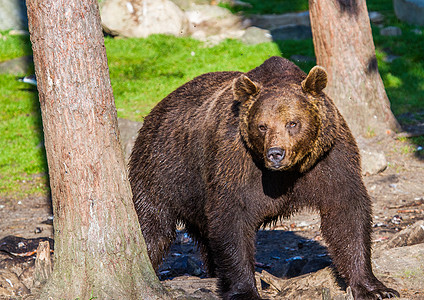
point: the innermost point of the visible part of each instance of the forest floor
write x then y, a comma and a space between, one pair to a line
291, 257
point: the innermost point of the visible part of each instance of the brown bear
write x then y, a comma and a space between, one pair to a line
228, 152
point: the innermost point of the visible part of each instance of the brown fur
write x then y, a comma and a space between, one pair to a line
315, 82
228, 152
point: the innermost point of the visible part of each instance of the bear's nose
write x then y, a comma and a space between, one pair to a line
275, 154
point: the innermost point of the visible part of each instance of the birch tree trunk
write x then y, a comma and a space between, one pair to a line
344, 47
99, 249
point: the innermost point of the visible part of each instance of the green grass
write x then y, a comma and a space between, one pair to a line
13, 46
408, 145
404, 77
22, 155
143, 71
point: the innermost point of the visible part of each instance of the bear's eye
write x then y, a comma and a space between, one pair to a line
262, 128
291, 124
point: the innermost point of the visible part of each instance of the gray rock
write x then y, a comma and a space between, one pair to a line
276, 21
410, 11
300, 18
376, 17
17, 66
213, 24
239, 3
291, 32
294, 26
411, 235
13, 15
18, 32
128, 130
141, 18
417, 31
405, 265
373, 162
391, 31
186, 4
390, 58
255, 35
199, 14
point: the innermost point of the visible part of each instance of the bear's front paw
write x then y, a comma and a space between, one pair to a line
250, 295
385, 293
245, 297
361, 293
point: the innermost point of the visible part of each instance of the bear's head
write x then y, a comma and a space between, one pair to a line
281, 124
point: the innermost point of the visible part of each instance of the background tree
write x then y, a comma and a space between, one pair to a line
99, 249
344, 47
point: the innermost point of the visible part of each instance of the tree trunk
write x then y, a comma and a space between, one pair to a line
99, 249
344, 47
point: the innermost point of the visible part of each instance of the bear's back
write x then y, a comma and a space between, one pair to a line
196, 92
276, 71
204, 89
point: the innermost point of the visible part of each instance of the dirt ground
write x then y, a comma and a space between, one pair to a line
290, 250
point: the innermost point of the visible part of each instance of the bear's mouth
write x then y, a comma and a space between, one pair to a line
276, 166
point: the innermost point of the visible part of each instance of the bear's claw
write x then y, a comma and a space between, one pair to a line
385, 293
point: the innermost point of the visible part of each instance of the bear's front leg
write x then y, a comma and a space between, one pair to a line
232, 245
348, 236
345, 210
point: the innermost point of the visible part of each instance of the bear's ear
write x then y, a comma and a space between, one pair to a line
243, 88
316, 81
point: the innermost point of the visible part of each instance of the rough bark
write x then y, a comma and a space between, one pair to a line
43, 265
344, 47
99, 249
